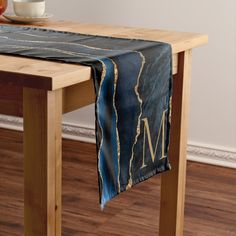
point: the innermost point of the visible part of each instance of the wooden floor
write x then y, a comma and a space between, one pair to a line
210, 203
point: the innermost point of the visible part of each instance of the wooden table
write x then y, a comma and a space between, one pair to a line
41, 91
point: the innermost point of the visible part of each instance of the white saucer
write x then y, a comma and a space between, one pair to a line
27, 20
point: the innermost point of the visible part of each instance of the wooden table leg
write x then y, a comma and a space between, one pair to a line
42, 162
173, 182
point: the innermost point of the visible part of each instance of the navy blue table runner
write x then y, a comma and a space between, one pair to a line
133, 85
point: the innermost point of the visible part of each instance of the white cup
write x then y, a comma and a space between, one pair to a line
29, 8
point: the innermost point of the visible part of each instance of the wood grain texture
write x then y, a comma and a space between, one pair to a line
210, 197
42, 162
77, 96
173, 182
53, 75
11, 98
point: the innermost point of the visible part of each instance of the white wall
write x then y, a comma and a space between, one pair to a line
213, 90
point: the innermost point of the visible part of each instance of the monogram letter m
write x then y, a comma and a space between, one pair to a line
148, 134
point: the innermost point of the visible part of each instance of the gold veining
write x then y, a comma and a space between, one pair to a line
52, 49
66, 43
130, 183
170, 113
170, 109
99, 149
117, 133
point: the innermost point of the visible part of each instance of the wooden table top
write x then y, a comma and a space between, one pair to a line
48, 75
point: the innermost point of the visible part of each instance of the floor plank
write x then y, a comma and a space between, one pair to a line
210, 199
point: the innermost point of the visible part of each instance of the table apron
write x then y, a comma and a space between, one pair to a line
74, 96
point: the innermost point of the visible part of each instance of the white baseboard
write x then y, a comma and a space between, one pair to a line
210, 154
69, 130
196, 152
